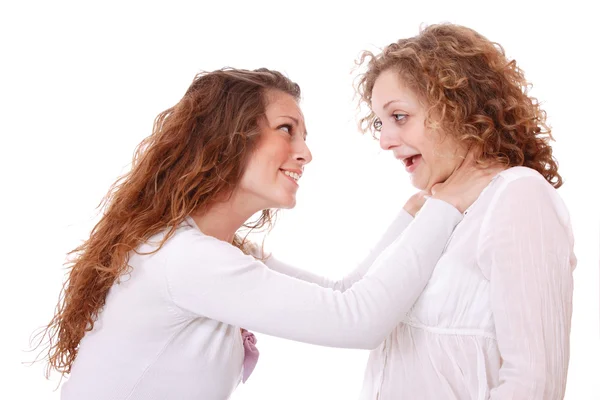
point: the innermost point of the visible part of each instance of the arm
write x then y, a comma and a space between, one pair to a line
394, 230
210, 278
526, 251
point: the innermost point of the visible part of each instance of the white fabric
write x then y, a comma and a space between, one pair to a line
494, 320
171, 329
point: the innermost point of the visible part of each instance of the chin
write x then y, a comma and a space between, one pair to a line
284, 203
289, 205
420, 184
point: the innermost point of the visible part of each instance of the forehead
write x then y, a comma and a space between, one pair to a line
282, 104
389, 87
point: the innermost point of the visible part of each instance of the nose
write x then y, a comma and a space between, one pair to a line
387, 140
302, 153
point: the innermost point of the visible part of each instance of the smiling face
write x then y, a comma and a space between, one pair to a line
271, 177
429, 156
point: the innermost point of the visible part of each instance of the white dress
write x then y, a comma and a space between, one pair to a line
171, 328
494, 320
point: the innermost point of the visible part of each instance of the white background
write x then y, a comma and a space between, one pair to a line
82, 81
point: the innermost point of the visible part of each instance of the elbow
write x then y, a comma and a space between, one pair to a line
366, 343
356, 336
368, 339
373, 341
370, 333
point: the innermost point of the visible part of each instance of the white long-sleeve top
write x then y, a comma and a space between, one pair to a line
171, 328
493, 322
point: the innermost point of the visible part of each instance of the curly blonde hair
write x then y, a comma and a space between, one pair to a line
194, 157
473, 93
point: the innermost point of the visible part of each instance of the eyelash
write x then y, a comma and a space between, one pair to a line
377, 124
288, 126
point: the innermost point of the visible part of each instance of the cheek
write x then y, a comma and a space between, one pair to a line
264, 168
441, 162
276, 152
251, 176
270, 156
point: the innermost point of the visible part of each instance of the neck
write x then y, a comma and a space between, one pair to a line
224, 219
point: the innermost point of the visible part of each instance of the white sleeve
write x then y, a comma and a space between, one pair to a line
526, 250
395, 229
213, 279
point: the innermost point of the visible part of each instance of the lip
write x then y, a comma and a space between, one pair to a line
411, 168
299, 172
404, 157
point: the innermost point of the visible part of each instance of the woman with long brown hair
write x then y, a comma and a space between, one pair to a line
494, 320
158, 299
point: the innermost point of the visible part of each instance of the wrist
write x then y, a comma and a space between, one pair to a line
412, 210
456, 203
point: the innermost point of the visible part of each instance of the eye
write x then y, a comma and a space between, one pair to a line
377, 124
399, 117
287, 128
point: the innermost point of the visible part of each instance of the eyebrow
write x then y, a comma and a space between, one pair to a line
393, 101
297, 123
292, 118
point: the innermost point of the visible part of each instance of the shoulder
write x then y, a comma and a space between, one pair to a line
520, 188
520, 173
189, 245
522, 182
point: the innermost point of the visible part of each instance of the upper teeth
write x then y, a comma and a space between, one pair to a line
292, 175
407, 159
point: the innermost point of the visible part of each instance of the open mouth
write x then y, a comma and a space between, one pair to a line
292, 175
409, 161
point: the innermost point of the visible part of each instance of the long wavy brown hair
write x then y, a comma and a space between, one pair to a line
473, 92
194, 157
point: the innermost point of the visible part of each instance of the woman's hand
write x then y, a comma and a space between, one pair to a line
415, 202
465, 184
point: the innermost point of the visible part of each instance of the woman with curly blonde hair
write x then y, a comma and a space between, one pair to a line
494, 320
159, 298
